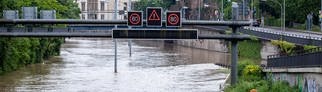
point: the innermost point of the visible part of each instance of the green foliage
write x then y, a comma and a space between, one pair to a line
296, 10
252, 73
286, 47
18, 52
271, 21
250, 49
64, 8
242, 64
308, 47
246, 86
261, 86
251, 77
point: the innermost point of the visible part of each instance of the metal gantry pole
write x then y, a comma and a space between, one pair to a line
129, 8
115, 41
234, 58
234, 48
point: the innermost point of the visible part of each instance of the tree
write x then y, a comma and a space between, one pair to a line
18, 52
296, 10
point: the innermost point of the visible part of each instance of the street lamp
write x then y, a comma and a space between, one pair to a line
199, 9
282, 12
281, 7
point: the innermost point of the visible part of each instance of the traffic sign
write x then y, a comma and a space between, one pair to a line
134, 18
154, 17
162, 34
173, 19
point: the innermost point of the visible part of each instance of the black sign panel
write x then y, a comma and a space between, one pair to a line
135, 18
154, 17
155, 34
173, 19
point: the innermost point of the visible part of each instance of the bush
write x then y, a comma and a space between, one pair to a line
252, 77
309, 47
252, 73
285, 47
242, 64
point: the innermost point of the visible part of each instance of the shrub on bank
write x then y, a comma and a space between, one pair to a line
252, 78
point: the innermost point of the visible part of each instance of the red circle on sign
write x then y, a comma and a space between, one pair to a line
137, 21
175, 22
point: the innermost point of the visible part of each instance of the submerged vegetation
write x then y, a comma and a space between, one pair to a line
18, 52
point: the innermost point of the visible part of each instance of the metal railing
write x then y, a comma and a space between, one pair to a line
298, 59
293, 38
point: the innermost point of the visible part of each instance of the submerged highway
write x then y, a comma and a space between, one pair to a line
86, 64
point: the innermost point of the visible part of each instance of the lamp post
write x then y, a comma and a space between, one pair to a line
222, 11
282, 19
282, 13
199, 9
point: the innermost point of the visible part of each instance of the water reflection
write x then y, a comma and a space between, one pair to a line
87, 65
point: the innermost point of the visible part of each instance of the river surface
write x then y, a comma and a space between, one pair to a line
86, 65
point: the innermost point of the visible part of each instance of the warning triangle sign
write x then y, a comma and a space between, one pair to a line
154, 16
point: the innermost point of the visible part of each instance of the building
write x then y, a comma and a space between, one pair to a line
102, 9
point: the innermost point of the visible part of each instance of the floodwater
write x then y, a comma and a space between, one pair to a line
87, 65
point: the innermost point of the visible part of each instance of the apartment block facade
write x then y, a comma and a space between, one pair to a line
101, 9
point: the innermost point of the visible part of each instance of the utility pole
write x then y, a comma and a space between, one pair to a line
321, 17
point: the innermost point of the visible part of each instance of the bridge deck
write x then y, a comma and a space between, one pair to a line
66, 32
300, 38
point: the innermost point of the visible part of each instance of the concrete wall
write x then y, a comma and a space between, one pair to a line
214, 45
308, 82
268, 49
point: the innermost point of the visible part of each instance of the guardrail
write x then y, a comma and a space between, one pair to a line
299, 59
271, 35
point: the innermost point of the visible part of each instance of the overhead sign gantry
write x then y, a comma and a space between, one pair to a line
154, 19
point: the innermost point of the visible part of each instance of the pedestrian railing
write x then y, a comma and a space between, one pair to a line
298, 59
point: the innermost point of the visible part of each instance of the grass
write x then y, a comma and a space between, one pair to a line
249, 50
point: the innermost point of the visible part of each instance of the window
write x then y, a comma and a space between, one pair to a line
83, 16
92, 5
102, 16
92, 16
83, 6
102, 5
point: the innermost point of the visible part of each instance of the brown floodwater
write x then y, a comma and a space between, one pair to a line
86, 65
